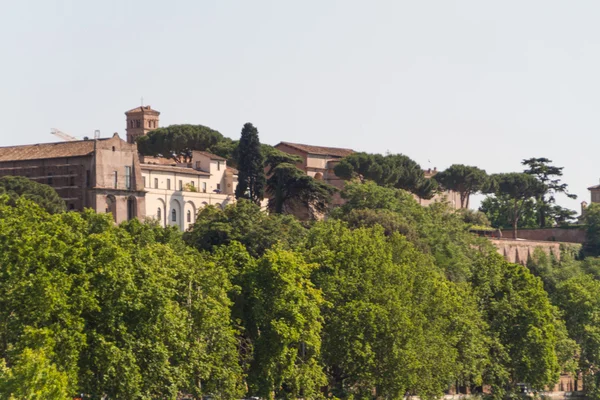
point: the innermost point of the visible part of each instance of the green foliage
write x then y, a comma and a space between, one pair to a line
178, 142
579, 300
383, 299
548, 175
250, 163
388, 308
464, 179
392, 170
522, 322
285, 325
127, 317
243, 222
518, 188
34, 377
499, 209
592, 220
291, 190
45, 196
474, 217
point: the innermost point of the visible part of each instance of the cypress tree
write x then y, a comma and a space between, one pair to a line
250, 162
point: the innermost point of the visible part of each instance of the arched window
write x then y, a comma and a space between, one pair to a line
189, 216
174, 215
158, 214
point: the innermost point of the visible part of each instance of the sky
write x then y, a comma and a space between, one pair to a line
445, 82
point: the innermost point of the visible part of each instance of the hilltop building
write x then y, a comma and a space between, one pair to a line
101, 174
319, 162
176, 192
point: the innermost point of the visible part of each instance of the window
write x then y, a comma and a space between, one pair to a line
88, 180
174, 215
113, 148
115, 179
189, 216
203, 187
50, 180
218, 165
218, 186
127, 177
192, 184
138, 123
168, 184
155, 183
144, 178
180, 185
158, 213
71, 206
72, 181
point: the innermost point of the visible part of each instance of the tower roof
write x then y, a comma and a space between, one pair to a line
142, 109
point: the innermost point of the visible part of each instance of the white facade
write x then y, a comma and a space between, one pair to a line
175, 193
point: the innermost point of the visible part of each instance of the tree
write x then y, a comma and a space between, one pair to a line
44, 195
499, 211
250, 164
245, 223
285, 326
466, 180
518, 187
591, 218
392, 170
33, 377
386, 332
291, 190
522, 324
179, 141
548, 175
121, 311
578, 299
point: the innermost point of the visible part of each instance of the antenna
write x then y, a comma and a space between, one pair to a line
97, 134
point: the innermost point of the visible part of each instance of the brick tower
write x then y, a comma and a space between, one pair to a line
140, 121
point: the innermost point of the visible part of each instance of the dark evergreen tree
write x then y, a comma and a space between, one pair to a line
250, 162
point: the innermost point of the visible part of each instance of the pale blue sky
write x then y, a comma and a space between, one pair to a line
474, 82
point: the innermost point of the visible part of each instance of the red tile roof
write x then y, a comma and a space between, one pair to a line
158, 160
141, 109
47, 150
319, 150
210, 155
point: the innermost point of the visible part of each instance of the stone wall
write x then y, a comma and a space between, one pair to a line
519, 251
551, 234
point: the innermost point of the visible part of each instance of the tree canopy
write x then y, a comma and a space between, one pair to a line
392, 170
251, 166
518, 188
466, 180
45, 196
383, 299
178, 142
548, 175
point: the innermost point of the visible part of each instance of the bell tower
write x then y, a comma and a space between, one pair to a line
140, 121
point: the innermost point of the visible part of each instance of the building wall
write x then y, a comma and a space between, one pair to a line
291, 150
113, 158
160, 204
449, 196
68, 176
172, 206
